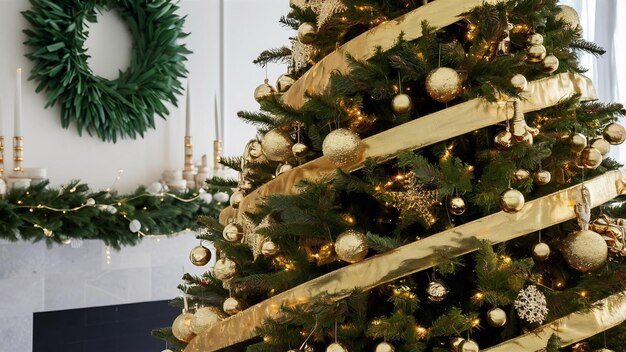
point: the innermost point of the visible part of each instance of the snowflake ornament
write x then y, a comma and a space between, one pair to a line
531, 305
301, 54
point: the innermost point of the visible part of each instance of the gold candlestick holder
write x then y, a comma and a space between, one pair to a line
217, 154
18, 154
1, 156
188, 154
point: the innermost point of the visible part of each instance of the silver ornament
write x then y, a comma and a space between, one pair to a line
570, 17
578, 142
224, 269
542, 177
436, 292
521, 175
550, 64
401, 103
276, 145
385, 347
264, 91
590, 157
269, 248
519, 82
535, 39
299, 150
235, 199
306, 33
614, 133
284, 82
351, 246
336, 347
536, 53
233, 232
469, 346
585, 250
602, 145
457, 206
455, 342
232, 306
342, 147
503, 140
511, 200
204, 318
496, 317
541, 252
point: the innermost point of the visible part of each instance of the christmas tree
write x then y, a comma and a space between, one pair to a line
428, 176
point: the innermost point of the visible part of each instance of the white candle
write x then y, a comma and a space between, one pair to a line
217, 121
188, 112
17, 124
1, 121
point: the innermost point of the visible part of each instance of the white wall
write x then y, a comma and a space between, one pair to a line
34, 278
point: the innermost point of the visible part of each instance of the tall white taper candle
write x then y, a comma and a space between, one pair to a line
17, 124
188, 112
217, 121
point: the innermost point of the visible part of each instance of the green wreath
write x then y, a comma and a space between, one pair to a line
126, 106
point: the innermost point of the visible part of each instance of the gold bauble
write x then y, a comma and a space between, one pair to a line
204, 318
536, 53
306, 33
511, 201
299, 150
269, 248
614, 133
254, 149
224, 269
496, 317
264, 91
569, 16
199, 255
542, 177
276, 145
282, 168
602, 145
457, 206
521, 175
603, 350
578, 142
519, 82
385, 347
351, 246
284, 82
535, 39
401, 103
585, 250
503, 140
455, 342
181, 327
590, 157
232, 306
235, 199
342, 147
436, 292
550, 64
336, 347
232, 232
541, 252
469, 346
443, 84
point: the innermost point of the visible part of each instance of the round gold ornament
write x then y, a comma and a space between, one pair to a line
519, 82
235, 199
542, 177
443, 84
307, 33
282, 168
269, 248
199, 255
469, 346
569, 16
264, 91
224, 269
503, 140
284, 82
455, 342
578, 142
521, 175
276, 145
535, 39
401, 103
457, 206
204, 318
541, 252
232, 306
536, 53
385, 347
232, 232
496, 317
342, 147
254, 149
336, 347
585, 250
181, 328
511, 201
550, 64
299, 150
436, 292
351, 246
602, 145
603, 350
590, 157
614, 133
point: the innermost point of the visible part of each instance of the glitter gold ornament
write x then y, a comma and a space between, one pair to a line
351, 246
590, 157
181, 328
276, 145
232, 232
385, 347
455, 342
269, 248
519, 82
511, 200
457, 206
342, 147
284, 82
614, 133
401, 103
436, 291
535, 39
469, 346
602, 145
536, 53
542, 177
204, 318
264, 91
550, 64
235, 199
496, 317
232, 306
306, 33
585, 250
569, 16
521, 175
336, 347
541, 252
577, 142
503, 140
224, 269
199, 255
443, 84
299, 150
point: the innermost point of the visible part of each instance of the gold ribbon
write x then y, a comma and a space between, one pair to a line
439, 126
414, 257
438, 13
572, 328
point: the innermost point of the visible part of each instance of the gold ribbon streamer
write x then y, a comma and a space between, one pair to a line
572, 328
414, 257
438, 13
439, 126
